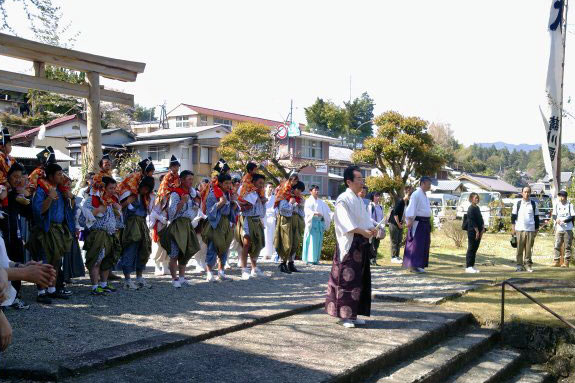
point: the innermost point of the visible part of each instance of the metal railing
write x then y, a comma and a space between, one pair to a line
569, 324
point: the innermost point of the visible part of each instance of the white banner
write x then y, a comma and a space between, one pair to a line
553, 89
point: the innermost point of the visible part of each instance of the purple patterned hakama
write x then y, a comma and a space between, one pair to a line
349, 286
416, 252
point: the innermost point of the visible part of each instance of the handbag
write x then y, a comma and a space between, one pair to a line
513, 241
465, 223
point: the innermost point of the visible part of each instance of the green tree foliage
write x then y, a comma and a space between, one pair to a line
143, 114
53, 105
359, 114
351, 120
512, 177
402, 146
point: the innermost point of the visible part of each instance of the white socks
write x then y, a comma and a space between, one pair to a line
51, 290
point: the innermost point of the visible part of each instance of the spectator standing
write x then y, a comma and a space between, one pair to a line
525, 224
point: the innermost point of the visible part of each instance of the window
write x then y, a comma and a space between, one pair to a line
203, 120
182, 121
185, 153
364, 173
205, 155
311, 149
309, 180
157, 152
336, 171
221, 121
77, 156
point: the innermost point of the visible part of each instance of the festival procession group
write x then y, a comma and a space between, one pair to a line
118, 222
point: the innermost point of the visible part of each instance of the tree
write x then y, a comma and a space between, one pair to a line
42, 11
359, 116
513, 178
402, 147
325, 117
253, 142
143, 114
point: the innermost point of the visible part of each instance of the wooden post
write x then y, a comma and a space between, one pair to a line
39, 69
94, 147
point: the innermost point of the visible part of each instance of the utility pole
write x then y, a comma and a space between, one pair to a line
558, 170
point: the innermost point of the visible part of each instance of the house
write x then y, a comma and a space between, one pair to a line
566, 179
454, 187
186, 116
339, 159
113, 144
56, 132
195, 147
27, 157
480, 183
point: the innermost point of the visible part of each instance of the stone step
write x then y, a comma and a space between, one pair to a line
529, 375
308, 347
495, 366
441, 361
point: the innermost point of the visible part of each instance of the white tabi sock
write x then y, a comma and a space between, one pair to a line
103, 284
94, 287
41, 292
51, 290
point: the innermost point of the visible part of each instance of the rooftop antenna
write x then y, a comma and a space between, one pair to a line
163, 120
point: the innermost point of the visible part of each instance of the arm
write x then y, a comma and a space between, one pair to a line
536, 216
173, 206
514, 212
52, 196
5, 332
40, 274
127, 201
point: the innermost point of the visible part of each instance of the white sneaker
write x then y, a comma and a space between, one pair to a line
186, 282
130, 285
158, 271
420, 270
210, 277
227, 266
176, 284
359, 321
166, 268
142, 284
223, 277
396, 260
257, 273
245, 274
471, 270
348, 323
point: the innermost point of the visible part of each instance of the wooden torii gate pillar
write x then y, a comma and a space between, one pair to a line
94, 66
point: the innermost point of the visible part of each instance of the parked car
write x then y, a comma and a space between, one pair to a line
442, 205
486, 201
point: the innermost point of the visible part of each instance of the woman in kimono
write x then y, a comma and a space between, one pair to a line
135, 238
221, 211
102, 244
317, 221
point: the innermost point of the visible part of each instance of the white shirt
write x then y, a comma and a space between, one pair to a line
312, 206
526, 216
5, 263
350, 214
562, 212
418, 205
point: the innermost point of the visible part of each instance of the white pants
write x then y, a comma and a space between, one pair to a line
270, 227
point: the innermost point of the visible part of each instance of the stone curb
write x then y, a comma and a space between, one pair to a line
434, 301
388, 359
116, 354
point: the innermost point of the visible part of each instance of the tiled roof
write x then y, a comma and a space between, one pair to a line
187, 132
232, 116
24, 152
492, 183
565, 177
445, 185
338, 153
51, 124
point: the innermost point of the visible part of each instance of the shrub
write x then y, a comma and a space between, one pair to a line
452, 229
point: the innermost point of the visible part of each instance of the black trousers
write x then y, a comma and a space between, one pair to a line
374, 247
395, 237
15, 250
472, 246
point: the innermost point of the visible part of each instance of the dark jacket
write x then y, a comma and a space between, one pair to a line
474, 219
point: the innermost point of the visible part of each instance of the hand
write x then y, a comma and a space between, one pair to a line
400, 226
513, 231
264, 200
41, 274
317, 214
477, 235
131, 199
409, 225
292, 200
222, 201
5, 332
185, 199
53, 194
367, 233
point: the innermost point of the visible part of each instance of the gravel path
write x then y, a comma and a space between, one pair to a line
50, 333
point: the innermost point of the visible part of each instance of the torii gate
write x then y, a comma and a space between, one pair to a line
93, 65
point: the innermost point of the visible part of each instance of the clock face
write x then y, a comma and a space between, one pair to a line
281, 132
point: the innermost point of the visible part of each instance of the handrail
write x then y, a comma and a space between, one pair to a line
571, 325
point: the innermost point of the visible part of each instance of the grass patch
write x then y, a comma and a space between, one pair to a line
496, 260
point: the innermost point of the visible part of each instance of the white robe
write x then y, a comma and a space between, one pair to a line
313, 206
350, 214
269, 227
5, 263
418, 207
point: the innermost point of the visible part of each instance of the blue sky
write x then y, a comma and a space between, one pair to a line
477, 65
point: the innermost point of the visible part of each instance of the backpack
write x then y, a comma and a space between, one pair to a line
532, 206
